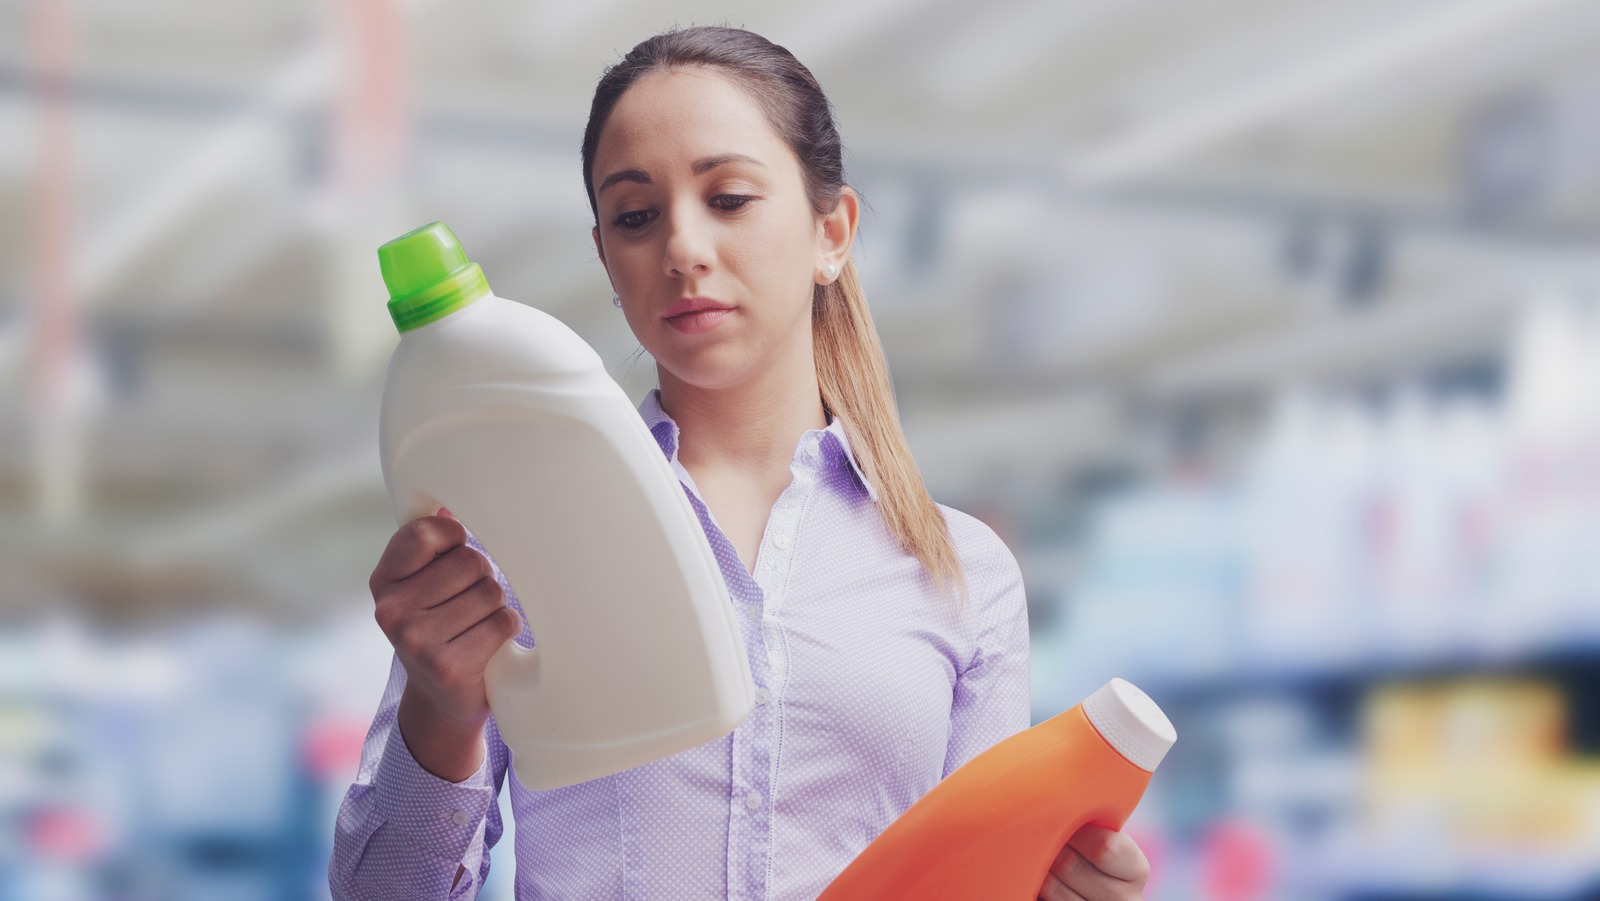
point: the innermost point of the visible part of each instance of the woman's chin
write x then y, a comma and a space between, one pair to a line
708, 371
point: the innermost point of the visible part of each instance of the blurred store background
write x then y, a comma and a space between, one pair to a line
1266, 333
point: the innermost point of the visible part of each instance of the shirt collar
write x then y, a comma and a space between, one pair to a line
833, 445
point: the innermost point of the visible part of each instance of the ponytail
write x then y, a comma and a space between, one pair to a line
854, 379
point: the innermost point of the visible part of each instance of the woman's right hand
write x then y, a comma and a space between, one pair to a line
439, 604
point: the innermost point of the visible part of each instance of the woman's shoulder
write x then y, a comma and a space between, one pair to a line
970, 533
983, 553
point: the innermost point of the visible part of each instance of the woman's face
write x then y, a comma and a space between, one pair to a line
700, 203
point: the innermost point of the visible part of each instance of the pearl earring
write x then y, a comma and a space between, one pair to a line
831, 271
616, 301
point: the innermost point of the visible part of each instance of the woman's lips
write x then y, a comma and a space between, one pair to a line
702, 321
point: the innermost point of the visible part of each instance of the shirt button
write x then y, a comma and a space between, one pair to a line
811, 445
459, 818
762, 696
782, 541
752, 800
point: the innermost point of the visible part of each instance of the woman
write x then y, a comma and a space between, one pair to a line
887, 634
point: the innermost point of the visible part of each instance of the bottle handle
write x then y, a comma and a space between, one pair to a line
512, 665
410, 505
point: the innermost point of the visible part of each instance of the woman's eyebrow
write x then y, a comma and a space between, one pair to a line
698, 167
634, 175
702, 166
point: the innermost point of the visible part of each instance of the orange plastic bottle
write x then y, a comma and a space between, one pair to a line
993, 827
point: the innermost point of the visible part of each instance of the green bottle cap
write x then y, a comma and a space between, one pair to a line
428, 276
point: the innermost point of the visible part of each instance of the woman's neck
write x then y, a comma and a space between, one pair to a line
752, 426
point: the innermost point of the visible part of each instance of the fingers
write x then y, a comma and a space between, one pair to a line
450, 642
414, 545
450, 574
420, 608
478, 623
1056, 890
481, 640
1112, 853
454, 618
403, 607
1083, 879
466, 631
1096, 864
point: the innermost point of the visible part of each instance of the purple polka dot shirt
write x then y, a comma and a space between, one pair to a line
870, 688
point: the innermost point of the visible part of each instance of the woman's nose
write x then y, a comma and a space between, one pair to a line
688, 250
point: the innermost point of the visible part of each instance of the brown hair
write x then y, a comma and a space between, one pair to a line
851, 372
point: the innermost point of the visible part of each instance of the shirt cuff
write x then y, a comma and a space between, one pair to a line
440, 815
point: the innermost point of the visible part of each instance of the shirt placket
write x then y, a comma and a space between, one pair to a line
749, 829
756, 596
755, 739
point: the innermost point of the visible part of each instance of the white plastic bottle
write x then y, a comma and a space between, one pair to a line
504, 415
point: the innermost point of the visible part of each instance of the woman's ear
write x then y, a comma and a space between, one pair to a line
836, 232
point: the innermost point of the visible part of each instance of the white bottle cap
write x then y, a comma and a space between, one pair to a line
1131, 722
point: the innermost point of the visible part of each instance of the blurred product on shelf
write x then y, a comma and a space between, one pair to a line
1429, 530
202, 762
1379, 630
1478, 763
1548, 570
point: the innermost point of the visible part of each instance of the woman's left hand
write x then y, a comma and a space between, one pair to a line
1096, 864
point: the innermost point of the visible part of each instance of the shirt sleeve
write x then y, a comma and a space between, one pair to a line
991, 696
402, 832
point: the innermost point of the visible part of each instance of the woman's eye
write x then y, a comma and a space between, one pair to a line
730, 202
633, 220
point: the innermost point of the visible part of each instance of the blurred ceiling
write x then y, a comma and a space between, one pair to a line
1076, 210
